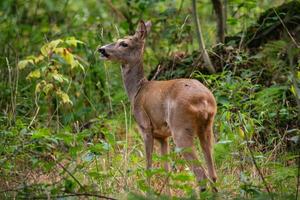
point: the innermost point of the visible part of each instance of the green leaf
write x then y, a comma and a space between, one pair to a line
47, 48
59, 77
182, 177
34, 74
66, 137
96, 149
64, 97
69, 58
23, 63
38, 87
40, 133
73, 42
47, 88
80, 65
69, 185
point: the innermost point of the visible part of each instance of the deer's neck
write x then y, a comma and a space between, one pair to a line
133, 78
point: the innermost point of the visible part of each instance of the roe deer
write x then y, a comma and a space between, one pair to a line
181, 108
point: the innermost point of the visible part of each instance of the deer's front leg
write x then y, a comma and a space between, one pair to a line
146, 130
148, 142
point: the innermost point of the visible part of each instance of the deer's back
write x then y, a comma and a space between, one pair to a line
184, 99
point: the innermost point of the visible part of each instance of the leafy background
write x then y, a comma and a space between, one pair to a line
66, 126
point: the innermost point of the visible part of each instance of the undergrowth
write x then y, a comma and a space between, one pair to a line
66, 127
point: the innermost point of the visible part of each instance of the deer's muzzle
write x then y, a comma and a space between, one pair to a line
103, 53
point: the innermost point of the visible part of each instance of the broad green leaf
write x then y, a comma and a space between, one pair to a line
59, 50
59, 77
47, 48
34, 74
53, 44
69, 58
23, 63
40, 133
66, 137
73, 42
96, 149
38, 58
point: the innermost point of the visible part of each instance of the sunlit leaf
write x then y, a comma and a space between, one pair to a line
69, 58
241, 132
64, 97
59, 77
73, 42
34, 74
40, 133
59, 50
47, 88
182, 177
23, 63
38, 88
293, 90
47, 48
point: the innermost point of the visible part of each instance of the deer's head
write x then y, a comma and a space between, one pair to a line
128, 49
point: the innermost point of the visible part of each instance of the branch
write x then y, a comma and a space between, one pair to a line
66, 170
74, 195
207, 61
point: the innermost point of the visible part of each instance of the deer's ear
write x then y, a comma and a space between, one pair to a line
141, 30
148, 25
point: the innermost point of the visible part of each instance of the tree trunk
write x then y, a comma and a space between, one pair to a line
220, 14
225, 14
206, 58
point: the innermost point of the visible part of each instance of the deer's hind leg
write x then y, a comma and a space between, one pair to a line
184, 138
164, 151
206, 137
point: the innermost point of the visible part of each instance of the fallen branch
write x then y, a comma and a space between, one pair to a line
74, 195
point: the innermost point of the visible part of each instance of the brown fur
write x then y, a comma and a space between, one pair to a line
181, 108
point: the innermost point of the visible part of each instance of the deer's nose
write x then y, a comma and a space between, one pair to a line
101, 50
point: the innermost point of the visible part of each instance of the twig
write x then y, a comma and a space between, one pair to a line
284, 26
164, 183
157, 72
255, 163
37, 96
74, 195
66, 170
59, 196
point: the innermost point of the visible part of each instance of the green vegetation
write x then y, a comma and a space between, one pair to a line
66, 126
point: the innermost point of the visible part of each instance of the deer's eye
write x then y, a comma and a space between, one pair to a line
123, 44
